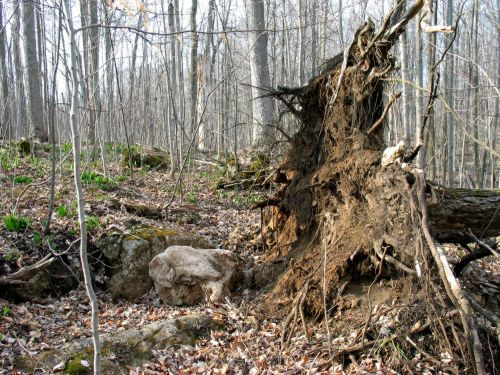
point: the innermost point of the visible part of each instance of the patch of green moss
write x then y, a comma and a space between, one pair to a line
149, 233
75, 367
259, 162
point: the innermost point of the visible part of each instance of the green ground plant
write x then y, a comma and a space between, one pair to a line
93, 222
73, 232
67, 147
15, 223
22, 180
5, 311
12, 255
92, 178
63, 211
192, 197
253, 198
37, 239
9, 163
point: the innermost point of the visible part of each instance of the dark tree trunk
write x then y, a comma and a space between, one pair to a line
452, 212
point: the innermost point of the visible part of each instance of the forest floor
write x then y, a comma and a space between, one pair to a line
249, 344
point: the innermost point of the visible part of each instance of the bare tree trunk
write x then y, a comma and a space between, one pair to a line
475, 93
324, 31
419, 71
35, 100
131, 111
42, 60
314, 38
302, 39
404, 105
94, 101
182, 93
172, 84
106, 132
450, 124
193, 89
6, 125
75, 136
494, 170
52, 125
207, 80
263, 107
431, 48
341, 25
21, 115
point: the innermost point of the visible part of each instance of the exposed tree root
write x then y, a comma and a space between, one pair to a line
25, 274
340, 218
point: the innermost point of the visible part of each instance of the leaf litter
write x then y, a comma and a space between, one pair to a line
250, 342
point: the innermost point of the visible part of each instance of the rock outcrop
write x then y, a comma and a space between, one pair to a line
184, 275
128, 255
121, 349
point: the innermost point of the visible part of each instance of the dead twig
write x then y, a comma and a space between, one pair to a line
452, 287
380, 121
475, 255
297, 304
367, 323
483, 244
389, 259
28, 271
429, 357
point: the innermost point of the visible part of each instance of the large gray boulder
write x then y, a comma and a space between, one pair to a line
184, 275
128, 255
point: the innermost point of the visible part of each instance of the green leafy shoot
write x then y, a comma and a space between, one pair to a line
192, 197
22, 180
93, 222
5, 311
63, 211
101, 182
15, 223
37, 239
12, 255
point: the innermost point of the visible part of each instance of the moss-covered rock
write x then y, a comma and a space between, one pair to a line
128, 255
24, 147
76, 367
153, 158
123, 348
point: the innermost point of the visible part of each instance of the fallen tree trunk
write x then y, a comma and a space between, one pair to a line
452, 211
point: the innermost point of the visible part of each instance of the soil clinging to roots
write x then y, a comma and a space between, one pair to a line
346, 223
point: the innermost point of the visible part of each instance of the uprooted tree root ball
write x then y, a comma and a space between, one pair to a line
344, 222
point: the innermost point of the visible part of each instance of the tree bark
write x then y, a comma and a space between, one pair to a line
35, 100
453, 211
75, 138
6, 118
94, 100
450, 121
193, 88
21, 115
475, 93
263, 107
